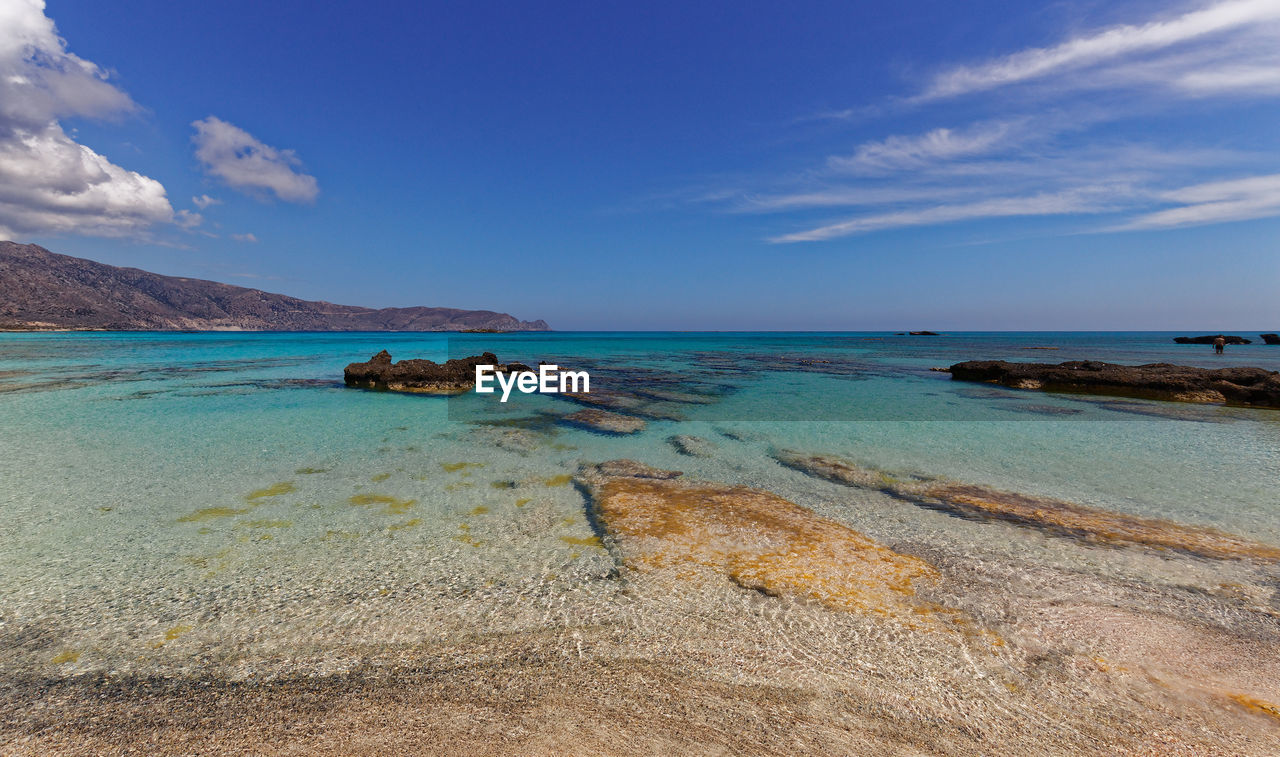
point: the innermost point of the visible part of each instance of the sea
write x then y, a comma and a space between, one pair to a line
220, 505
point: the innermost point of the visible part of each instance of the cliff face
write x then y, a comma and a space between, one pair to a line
41, 289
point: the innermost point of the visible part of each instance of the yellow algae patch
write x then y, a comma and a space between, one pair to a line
275, 490
503, 484
212, 564
455, 467
310, 471
456, 485
212, 513
331, 535
393, 506
407, 524
1254, 704
379, 478
561, 480
1088, 524
523, 501
171, 634
481, 510
468, 540
754, 538
582, 541
65, 657
266, 523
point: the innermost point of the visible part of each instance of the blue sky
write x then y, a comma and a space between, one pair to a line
691, 165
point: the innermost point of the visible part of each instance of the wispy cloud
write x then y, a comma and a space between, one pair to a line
1215, 202
250, 238
1108, 46
1081, 201
246, 163
900, 152
204, 201
1070, 142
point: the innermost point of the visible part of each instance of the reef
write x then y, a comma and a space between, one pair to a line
662, 526
604, 421
1241, 385
454, 376
1270, 338
1055, 517
1211, 338
693, 446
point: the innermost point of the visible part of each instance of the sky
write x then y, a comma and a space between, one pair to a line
744, 165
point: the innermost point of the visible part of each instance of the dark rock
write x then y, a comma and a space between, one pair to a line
693, 446
1237, 386
924, 333
422, 376
1210, 338
1271, 338
626, 469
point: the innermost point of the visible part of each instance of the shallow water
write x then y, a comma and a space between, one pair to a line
219, 505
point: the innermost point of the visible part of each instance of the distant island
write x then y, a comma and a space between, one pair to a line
42, 290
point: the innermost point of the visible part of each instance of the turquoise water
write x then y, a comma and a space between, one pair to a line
183, 502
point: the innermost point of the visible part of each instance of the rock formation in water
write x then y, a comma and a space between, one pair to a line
692, 446
604, 421
1210, 338
668, 530
1271, 338
422, 376
1088, 524
1238, 385
923, 333
43, 290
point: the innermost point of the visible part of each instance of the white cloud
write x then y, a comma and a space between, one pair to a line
1095, 126
1249, 79
204, 201
243, 162
904, 152
999, 207
1216, 202
1115, 45
245, 238
48, 182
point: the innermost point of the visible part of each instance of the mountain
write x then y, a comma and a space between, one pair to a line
41, 289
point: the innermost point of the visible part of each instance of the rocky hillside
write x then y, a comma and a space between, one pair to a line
41, 289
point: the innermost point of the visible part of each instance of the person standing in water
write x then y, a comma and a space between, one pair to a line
1219, 345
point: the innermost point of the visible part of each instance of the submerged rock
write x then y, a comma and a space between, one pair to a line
1271, 338
424, 376
1087, 524
630, 403
1210, 338
1162, 381
693, 446
660, 526
605, 421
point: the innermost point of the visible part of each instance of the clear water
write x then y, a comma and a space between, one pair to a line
189, 503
